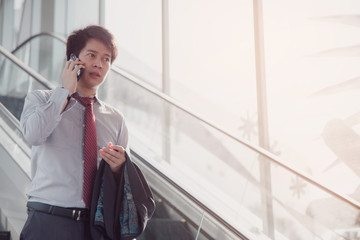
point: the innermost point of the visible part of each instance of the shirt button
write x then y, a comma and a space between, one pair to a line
83, 125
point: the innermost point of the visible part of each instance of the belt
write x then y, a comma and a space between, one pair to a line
78, 214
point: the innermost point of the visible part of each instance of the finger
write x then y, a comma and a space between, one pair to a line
110, 153
73, 63
78, 67
115, 160
107, 157
108, 150
111, 163
118, 148
114, 163
115, 147
67, 64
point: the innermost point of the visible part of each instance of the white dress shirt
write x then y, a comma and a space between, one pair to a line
57, 144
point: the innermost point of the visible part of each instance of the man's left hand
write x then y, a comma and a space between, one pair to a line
114, 155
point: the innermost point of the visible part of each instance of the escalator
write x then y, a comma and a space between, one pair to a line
169, 217
207, 182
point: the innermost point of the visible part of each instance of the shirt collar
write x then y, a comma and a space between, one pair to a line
98, 101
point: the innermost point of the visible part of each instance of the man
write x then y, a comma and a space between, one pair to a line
60, 125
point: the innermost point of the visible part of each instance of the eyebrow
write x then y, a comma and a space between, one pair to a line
93, 51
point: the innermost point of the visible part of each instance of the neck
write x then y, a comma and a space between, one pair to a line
86, 92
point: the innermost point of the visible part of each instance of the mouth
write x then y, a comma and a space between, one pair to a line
95, 74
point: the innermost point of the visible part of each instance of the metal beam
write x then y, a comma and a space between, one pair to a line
265, 173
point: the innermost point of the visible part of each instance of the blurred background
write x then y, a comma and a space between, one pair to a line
244, 115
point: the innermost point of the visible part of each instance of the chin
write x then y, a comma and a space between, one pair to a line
91, 82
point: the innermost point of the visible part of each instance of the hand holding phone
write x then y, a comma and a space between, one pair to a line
80, 71
70, 78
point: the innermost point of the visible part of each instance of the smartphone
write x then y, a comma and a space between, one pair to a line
73, 58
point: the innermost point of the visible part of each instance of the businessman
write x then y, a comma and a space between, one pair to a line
70, 131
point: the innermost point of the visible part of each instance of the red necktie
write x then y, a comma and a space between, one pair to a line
90, 147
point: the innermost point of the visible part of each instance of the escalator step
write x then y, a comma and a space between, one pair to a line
162, 210
161, 229
4, 235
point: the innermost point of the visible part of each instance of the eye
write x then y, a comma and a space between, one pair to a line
107, 60
91, 55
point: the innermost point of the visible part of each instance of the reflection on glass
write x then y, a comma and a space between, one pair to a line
15, 83
139, 40
313, 79
224, 174
219, 171
46, 55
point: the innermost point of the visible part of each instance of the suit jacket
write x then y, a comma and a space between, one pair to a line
121, 204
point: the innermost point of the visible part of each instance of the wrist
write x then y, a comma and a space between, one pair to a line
69, 92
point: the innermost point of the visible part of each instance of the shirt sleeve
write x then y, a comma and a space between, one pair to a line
123, 137
41, 114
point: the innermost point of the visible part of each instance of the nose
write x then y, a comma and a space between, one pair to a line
98, 63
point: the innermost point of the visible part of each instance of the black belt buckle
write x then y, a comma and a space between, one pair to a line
76, 214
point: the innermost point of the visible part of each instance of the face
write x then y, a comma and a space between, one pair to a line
97, 61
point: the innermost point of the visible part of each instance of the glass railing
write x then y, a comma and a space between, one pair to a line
171, 216
247, 187
15, 83
223, 180
14, 176
44, 53
14, 150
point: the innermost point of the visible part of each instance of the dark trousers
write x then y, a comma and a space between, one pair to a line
41, 226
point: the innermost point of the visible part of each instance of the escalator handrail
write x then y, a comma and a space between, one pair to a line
24, 147
269, 156
40, 79
188, 195
49, 34
48, 85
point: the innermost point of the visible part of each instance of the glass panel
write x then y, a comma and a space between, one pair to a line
13, 127
313, 88
14, 85
14, 176
46, 55
14, 151
224, 174
304, 211
212, 63
136, 26
169, 220
14, 141
219, 171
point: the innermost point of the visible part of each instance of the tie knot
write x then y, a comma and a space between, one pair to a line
86, 101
